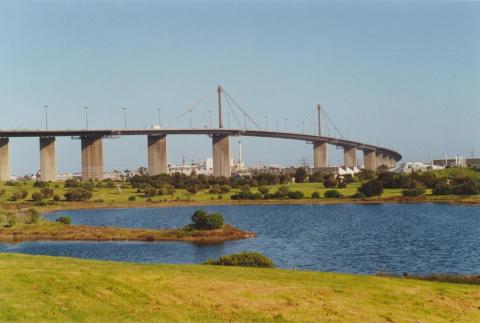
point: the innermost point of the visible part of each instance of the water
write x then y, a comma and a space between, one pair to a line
393, 238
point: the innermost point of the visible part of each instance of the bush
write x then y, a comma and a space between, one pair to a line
37, 196
244, 259
47, 192
150, 192
300, 175
33, 216
225, 189
442, 188
332, 194
64, 220
263, 189
40, 184
466, 186
132, 198
204, 221
11, 219
371, 188
19, 195
2, 192
342, 185
329, 181
315, 195
358, 195
78, 194
56, 198
282, 192
296, 195
418, 190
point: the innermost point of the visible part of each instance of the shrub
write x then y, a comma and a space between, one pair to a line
300, 175
56, 198
132, 198
332, 194
442, 188
47, 192
329, 181
315, 195
150, 192
282, 192
358, 195
466, 186
371, 188
78, 194
342, 184
296, 195
39, 184
64, 220
244, 259
2, 192
214, 189
418, 190
20, 195
263, 189
72, 183
225, 189
37, 196
33, 216
11, 219
204, 221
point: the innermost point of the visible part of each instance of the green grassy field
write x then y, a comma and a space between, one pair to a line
48, 289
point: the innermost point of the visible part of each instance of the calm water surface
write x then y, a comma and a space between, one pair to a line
394, 238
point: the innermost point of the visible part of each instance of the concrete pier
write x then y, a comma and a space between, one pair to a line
48, 160
320, 154
350, 156
92, 157
4, 160
369, 160
157, 155
221, 155
379, 159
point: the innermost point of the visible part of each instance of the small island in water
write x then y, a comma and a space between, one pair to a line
27, 226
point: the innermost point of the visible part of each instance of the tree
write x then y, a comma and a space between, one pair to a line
264, 190
329, 181
204, 221
193, 189
371, 188
78, 194
300, 175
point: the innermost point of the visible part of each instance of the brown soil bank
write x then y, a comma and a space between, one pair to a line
46, 230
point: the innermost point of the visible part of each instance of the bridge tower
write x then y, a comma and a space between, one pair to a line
221, 145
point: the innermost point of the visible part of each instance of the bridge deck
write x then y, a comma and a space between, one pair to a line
197, 131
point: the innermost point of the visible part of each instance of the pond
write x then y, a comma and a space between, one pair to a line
393, 238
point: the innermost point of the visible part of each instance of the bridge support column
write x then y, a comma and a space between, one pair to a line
4, 160
350, 156
369, 160
221, 155
92, 157
379, 159
157, 155
48, 160
320, 154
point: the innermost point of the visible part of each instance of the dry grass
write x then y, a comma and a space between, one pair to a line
48, 289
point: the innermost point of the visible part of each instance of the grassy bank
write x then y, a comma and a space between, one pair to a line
44, 289
46, 230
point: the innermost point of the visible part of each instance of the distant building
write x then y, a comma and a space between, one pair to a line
473, 162
451, 162
409, 167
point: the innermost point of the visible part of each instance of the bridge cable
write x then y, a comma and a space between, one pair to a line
241, 109
233, 111
196, 104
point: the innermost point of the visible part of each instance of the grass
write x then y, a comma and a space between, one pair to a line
114, 197
48, 289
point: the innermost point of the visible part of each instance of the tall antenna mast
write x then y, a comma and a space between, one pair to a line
219, 91
319, 124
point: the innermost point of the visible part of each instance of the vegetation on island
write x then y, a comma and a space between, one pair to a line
26, 225
55, 289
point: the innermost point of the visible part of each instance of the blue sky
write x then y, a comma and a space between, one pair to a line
404, 74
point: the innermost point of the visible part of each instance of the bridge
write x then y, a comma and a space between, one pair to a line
92, 147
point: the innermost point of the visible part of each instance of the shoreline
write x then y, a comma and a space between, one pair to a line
72, 206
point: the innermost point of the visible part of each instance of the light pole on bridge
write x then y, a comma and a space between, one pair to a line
124, 117
286, 128
46, 116
86, 117
159, 117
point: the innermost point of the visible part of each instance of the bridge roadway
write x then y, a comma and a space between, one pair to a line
92, 148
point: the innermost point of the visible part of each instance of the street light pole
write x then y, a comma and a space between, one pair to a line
286, 129
210, 118
266, 123
159, 117
46, 116
125, 117
86, 117
190, 117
